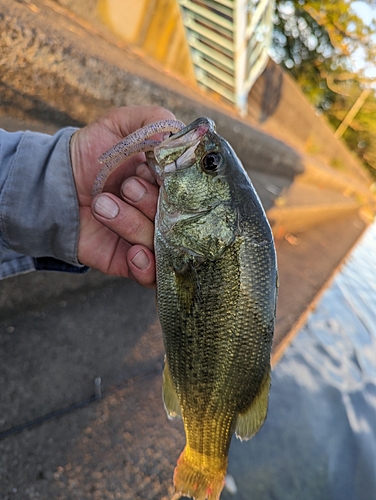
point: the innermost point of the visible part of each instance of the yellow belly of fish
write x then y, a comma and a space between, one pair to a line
216, 374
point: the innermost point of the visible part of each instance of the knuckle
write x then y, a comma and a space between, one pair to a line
161, 111
135, 227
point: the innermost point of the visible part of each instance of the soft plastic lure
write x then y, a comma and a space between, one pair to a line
137, 142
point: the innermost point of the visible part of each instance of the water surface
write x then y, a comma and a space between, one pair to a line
319, 440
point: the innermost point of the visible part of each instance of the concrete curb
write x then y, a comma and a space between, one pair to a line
51, 64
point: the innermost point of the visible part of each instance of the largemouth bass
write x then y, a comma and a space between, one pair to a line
216, 295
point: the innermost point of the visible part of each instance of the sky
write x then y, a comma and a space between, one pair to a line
367, 13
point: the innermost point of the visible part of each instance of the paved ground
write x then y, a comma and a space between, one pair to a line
58, 333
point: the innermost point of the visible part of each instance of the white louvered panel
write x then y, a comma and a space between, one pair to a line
213, 70
211, 84
208, 14
229, 42
221, 59
220, 40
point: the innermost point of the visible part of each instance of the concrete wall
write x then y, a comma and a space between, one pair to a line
276, 103
53, 67
155, 26
41, 57
279, 106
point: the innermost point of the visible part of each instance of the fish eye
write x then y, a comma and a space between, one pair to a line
211, 161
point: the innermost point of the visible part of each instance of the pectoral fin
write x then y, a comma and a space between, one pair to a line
170, 398
250, 422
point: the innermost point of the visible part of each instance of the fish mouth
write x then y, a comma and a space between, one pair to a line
178, 151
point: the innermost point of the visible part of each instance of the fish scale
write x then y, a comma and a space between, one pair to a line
216, 295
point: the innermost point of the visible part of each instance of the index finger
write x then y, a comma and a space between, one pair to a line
127, 119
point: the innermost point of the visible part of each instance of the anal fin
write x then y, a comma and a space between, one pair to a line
250, 422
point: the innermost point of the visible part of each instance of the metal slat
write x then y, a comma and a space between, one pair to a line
256, 17
214, 7
207, 14
255, 54
206, 33
211, 6
221, 58
218, 88
225, 3
258, 68
207, 23
214, 71
194, 38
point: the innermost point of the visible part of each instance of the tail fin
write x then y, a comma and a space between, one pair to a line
197, 482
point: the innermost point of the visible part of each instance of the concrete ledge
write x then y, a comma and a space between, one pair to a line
296, 219
51, 64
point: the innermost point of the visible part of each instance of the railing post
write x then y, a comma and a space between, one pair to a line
240, 62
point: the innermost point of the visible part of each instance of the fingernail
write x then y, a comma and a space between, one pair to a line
133, 190
106, 207
141, 260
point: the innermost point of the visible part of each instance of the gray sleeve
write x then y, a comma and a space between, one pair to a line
39, 216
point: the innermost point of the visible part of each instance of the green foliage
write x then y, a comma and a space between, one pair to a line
316, 41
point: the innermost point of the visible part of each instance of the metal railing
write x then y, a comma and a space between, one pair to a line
229, 42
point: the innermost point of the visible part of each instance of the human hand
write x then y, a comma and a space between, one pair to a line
117, 226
